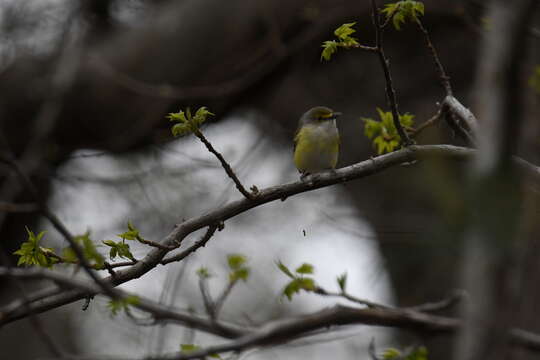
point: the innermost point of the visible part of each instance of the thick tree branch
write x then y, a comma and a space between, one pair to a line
158, 311
460, 119
234, 208
286, 330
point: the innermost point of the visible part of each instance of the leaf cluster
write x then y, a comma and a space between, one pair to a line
89, 249
121, 248
188, 123
383, 133
30, 253
123, 304
299, 280
238, 268
403, 11
344, 40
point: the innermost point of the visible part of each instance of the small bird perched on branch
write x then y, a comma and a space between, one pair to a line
316, 143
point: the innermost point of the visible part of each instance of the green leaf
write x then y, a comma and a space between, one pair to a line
419, 353
345, 40
236, 261
307, 284
201, 115
297, 284
345, 31
179, 117
117, 305
329, 48
120, 249
342, 282
391, 353
240, 274
305, 268
402, 11
180, 129
291, 288
186, 122
187, 348
131, 234
383, 133
30, 253
284, 269
69, 255
204, 273
89, 249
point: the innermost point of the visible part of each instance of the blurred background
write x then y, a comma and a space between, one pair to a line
86, 85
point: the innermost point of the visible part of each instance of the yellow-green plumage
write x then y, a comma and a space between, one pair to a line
316, 141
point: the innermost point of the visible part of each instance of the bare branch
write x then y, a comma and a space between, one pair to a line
385, 63
158, 311
201, 243
218, 305
225, 166
455, 298
432, 120
301, 326
207, 298
354, 299
445, 79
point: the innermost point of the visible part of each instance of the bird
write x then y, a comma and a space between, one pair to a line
316, 142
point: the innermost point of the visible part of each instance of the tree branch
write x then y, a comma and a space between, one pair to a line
385, 63
445, 79
226, 166
221, 214
158, 311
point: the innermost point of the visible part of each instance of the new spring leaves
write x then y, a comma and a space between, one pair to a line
31, 253
188, 123
399, 13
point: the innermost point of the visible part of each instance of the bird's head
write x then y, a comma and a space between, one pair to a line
319, 114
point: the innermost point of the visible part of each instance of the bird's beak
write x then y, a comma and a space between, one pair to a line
335, 115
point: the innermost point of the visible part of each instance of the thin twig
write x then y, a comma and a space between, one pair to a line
218, 304
354, 299
155, 244
385, 63
445, 79
454, 298
225, 166
432, 120
201, 243
207, 298
366, 48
